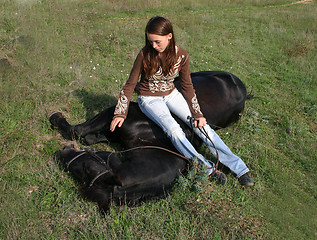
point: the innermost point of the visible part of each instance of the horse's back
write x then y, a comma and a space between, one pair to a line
221, 96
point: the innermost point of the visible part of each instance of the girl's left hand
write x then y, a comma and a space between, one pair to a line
200, 122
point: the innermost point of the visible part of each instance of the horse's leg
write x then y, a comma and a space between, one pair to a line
132, 194
58, 120
100, 122
102, 196
124, 195
93, 130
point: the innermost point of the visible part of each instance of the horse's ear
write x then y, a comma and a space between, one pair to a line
70, 146
67, 147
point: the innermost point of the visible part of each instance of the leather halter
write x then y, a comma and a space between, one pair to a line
96, 157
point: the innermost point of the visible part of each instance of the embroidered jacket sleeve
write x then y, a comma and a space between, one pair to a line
187, 87
121, 109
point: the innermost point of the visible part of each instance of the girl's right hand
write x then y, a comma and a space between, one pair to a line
117, 121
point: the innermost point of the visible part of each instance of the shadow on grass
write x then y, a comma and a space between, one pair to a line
94, 103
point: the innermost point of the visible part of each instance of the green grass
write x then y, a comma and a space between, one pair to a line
74, 56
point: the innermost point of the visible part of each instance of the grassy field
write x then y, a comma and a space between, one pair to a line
74, 56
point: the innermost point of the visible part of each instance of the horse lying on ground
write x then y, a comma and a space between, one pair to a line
144, 174
221, 96
150, 172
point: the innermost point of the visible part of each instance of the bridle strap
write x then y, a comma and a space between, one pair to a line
101, 160
74, 158
99, 175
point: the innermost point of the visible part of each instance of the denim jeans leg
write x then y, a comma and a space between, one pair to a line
156, 109
178, 105
226, 157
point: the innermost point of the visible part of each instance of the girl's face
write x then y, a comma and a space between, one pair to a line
158, 42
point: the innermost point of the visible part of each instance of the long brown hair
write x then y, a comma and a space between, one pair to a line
151, 62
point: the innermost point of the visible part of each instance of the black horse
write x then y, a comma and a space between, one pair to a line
221, 96
146, 172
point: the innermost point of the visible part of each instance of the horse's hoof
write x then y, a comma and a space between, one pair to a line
51, 114
54, 116
219, 177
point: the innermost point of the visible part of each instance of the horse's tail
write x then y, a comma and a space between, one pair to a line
250, 95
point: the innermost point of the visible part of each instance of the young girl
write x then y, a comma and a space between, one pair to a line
158, 63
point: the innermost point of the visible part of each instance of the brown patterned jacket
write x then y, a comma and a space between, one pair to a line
159, 84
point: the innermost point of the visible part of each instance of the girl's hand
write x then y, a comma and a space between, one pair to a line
118, 121
200, 122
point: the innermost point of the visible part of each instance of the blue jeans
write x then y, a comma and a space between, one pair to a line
159, 110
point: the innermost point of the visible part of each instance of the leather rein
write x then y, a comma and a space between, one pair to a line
203, 131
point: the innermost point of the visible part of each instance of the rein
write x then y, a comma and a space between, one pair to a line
203, 131
151, 147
